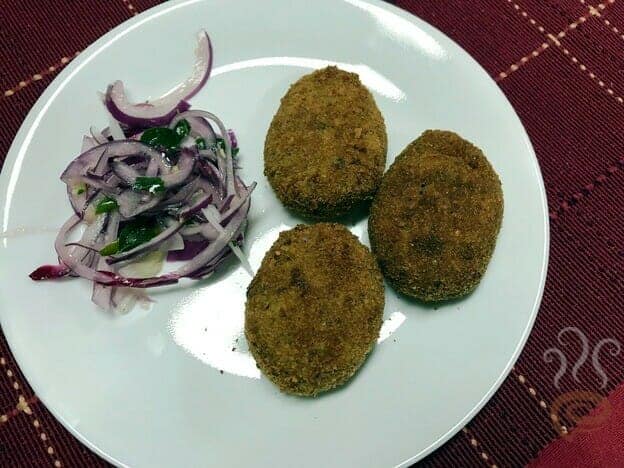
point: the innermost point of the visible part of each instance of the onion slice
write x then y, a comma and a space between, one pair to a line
160, 111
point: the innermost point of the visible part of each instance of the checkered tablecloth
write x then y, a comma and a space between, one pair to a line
561, 64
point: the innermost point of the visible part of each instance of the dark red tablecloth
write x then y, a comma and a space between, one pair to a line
561, 64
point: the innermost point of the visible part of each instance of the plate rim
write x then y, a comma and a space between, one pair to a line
17, 150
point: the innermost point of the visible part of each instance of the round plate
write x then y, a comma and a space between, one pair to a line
146, 389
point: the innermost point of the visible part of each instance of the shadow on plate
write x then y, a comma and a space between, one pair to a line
429, 307
354, 216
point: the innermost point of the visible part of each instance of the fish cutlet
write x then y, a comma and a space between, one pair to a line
325, 150
434, 222
314, 308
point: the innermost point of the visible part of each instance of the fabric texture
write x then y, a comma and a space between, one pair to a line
595, 442
561, 65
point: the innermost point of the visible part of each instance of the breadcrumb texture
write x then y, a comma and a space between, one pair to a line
314, 309
325, 150
434, 222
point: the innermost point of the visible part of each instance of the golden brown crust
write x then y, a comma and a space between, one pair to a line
325, 150
314, 308
435, 219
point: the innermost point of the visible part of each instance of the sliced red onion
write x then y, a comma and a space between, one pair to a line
233, 139
117, 133
207, 270
208, 154
80, 202
185, 165
190, 250
85, 162
200, 127
202, 202
89, 160
131, 203
229, 167
218, 258
205, 255
124, 172
112, 228
160, 111
152, 168
102, 295
45, 272
99, 138
119, 280
101, 168
201, 265
146, 246
67, 255
192, 230
97, 183
208, 116
213, 174
242, 258
88, 143
146, 266
237, 204
175, 242
140, 116
225, 204
201, 68
208, 232
184, 194
77, 200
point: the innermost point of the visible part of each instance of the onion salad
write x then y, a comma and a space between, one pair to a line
159, 184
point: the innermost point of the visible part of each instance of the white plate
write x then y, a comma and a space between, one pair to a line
144, 390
